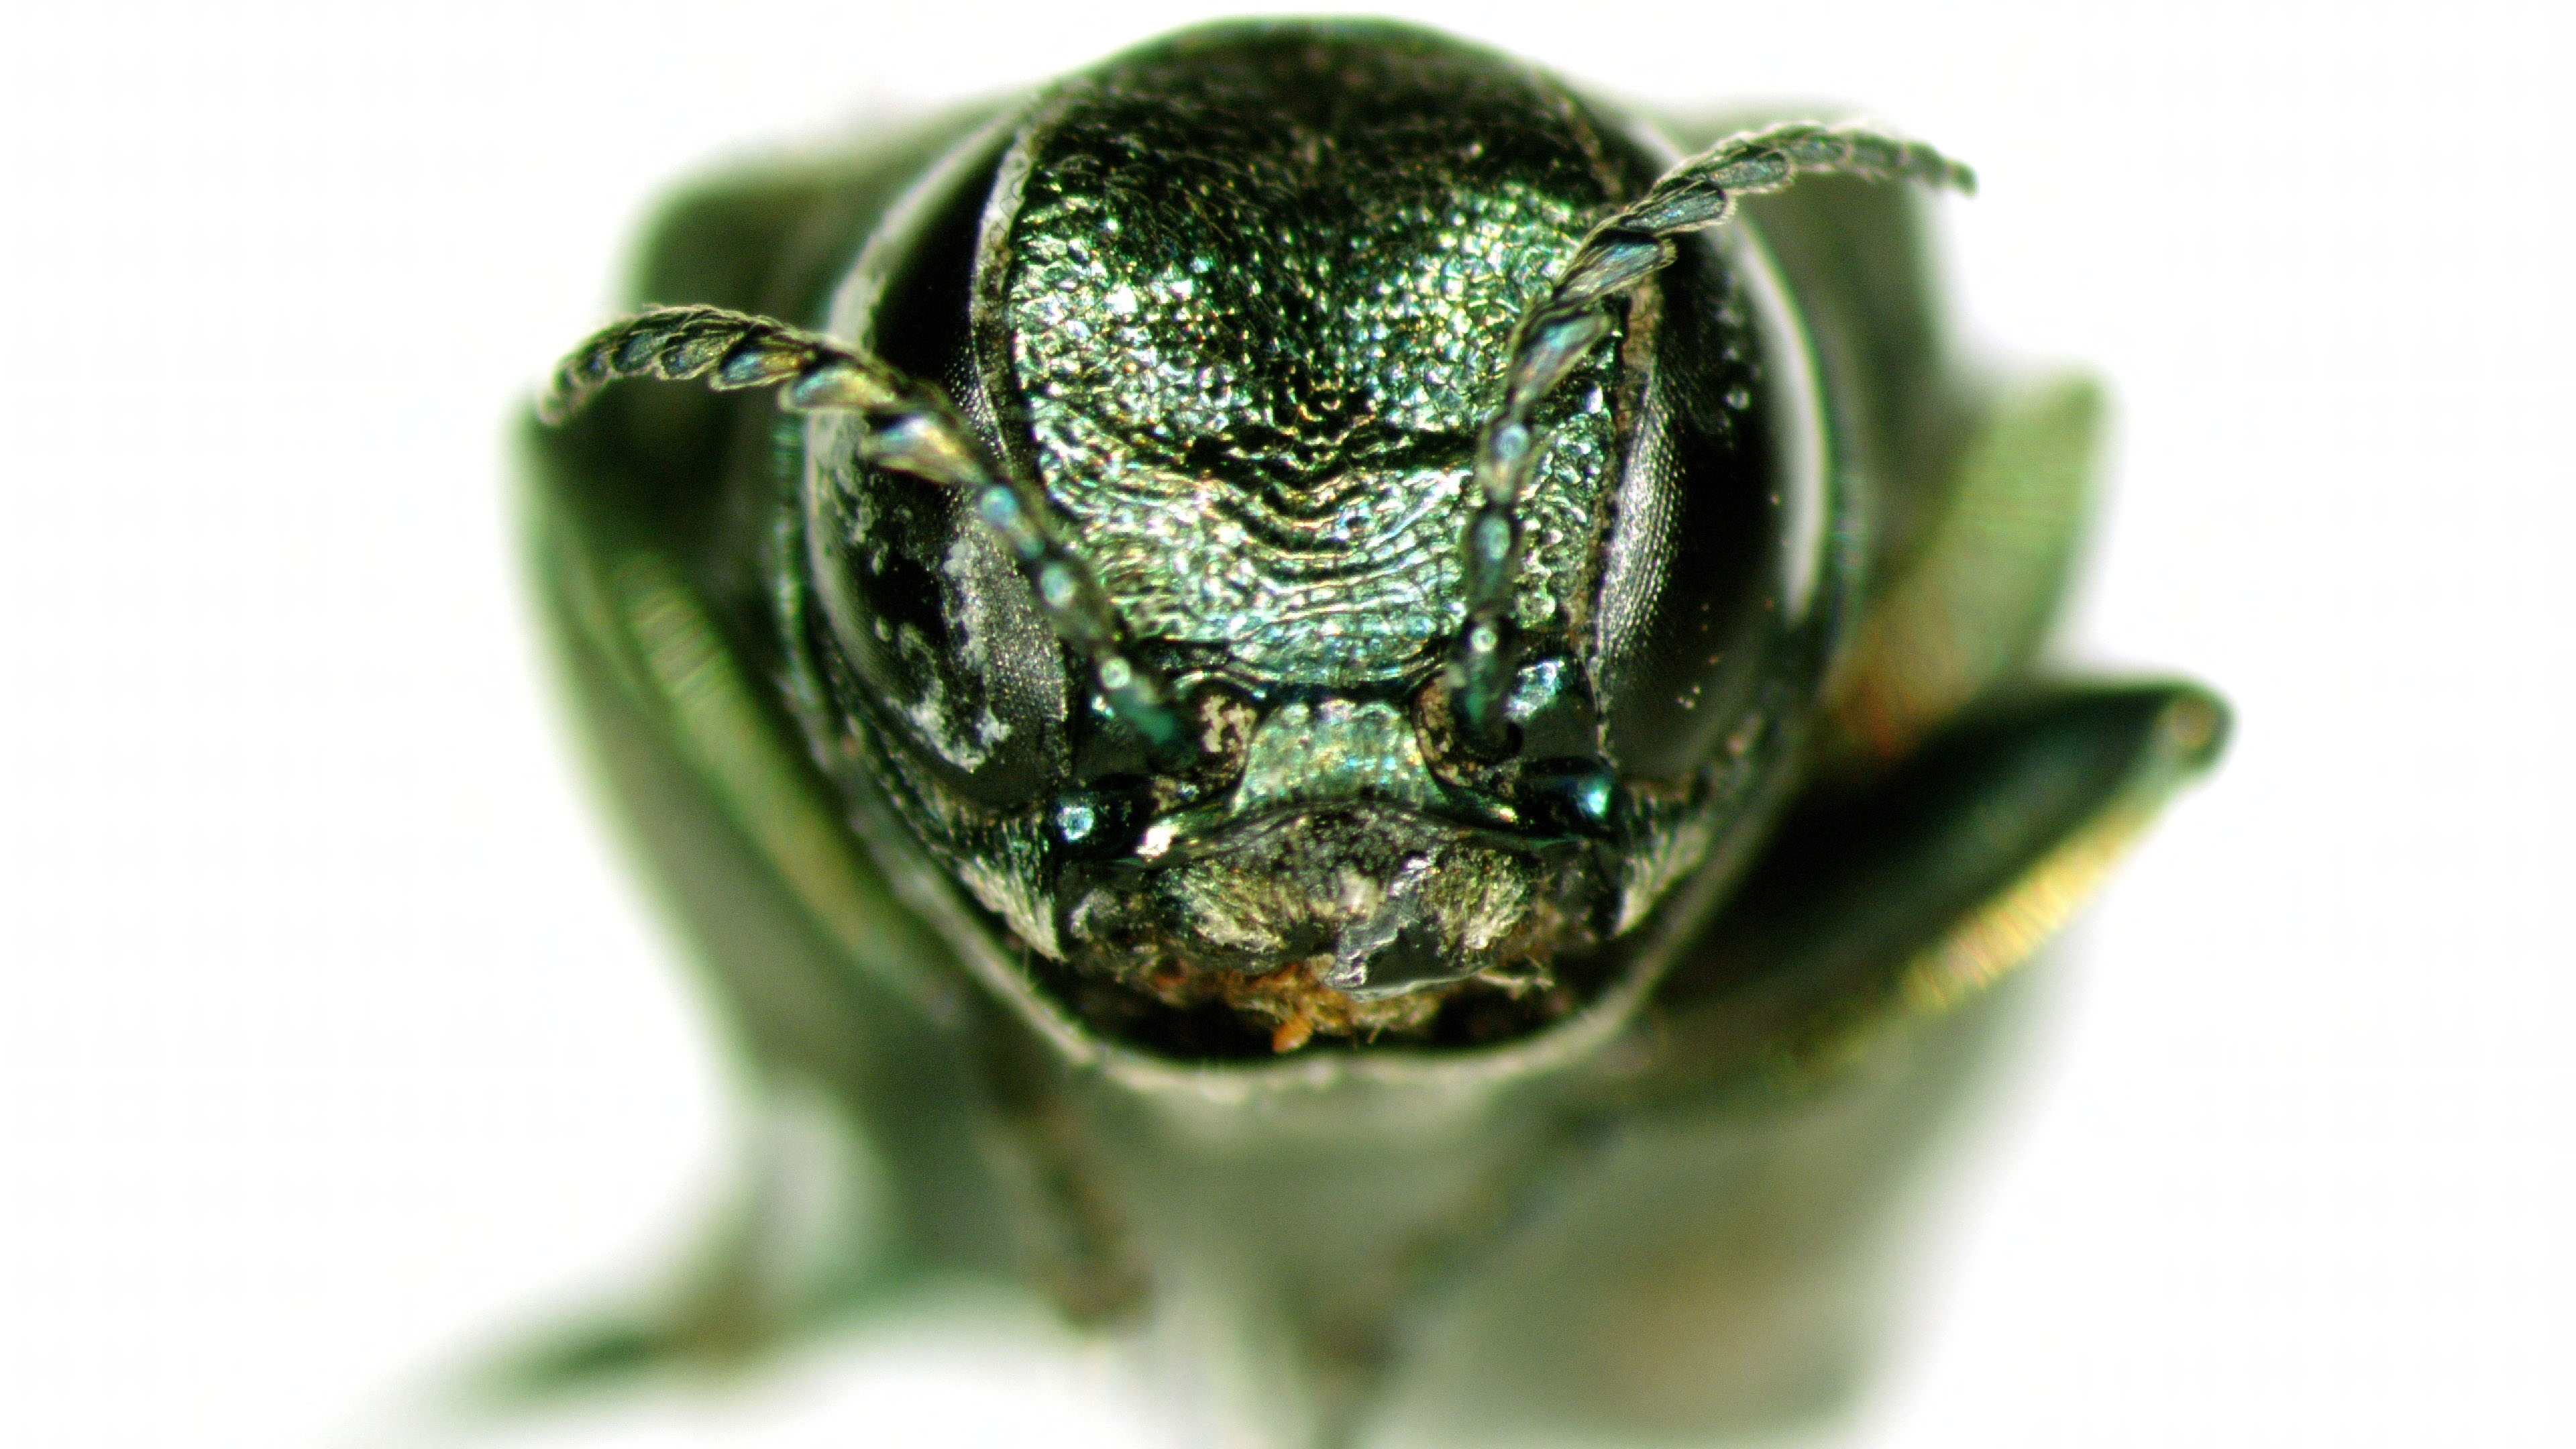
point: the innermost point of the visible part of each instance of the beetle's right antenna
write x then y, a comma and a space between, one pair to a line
909, 427
1553, 336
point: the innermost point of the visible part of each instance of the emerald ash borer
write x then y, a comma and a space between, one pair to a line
1345, 710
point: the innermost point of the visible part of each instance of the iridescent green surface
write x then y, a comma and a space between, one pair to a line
1243, 304
1661, 1210
1256, 384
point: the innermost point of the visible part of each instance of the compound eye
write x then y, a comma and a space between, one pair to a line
937, 635
1715, 561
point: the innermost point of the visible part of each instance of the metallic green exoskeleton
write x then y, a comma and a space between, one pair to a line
1355, 717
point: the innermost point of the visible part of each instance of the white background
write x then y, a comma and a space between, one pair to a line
334, 1039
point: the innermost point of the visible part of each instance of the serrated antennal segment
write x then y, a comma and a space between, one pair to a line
909, 427
1554, 335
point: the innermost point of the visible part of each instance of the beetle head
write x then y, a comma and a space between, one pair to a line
1241, 308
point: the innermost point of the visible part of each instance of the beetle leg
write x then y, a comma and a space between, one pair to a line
1899, 901
1709, 1262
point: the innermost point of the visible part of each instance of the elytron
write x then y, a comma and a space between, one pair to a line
1348, 712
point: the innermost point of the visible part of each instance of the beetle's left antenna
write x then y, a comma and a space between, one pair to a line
910, 426
1553, 336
